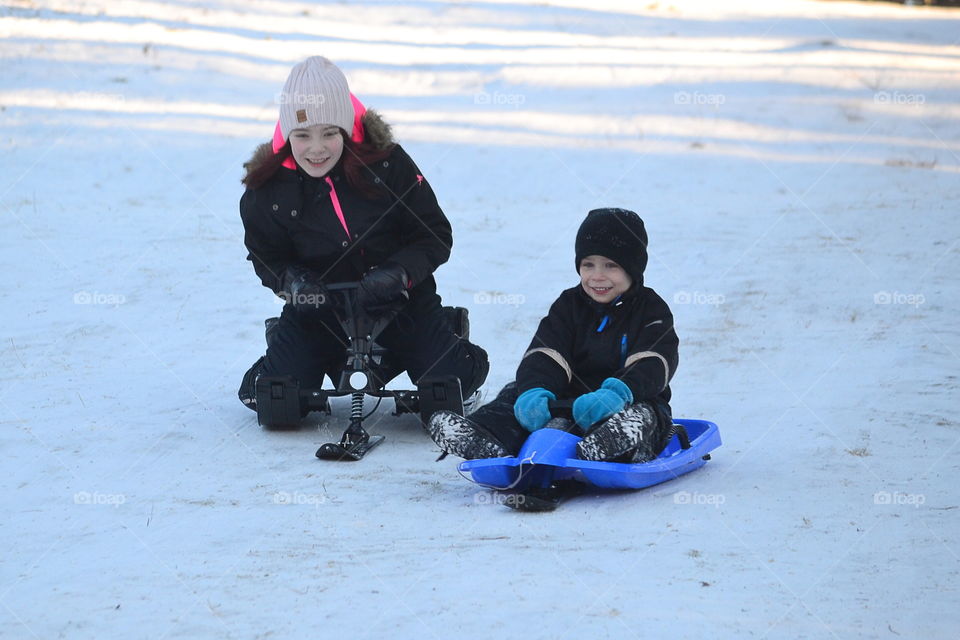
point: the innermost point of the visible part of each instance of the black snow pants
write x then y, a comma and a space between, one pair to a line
309, 345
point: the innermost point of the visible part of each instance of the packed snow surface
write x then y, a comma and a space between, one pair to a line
798, 168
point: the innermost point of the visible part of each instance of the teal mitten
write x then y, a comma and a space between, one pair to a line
590, 408
532, 408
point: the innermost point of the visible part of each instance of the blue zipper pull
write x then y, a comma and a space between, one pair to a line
623, 351
606, 318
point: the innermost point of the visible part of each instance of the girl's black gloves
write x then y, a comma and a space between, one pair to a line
304, 289
383, 289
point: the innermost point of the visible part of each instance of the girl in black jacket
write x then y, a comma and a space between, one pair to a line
608, 344
335, 199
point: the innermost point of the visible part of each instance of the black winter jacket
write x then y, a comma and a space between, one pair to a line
581, 342
291, 220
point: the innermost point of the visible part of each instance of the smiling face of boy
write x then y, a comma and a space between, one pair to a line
603, 279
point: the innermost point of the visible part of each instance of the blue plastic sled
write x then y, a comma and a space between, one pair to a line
548, 456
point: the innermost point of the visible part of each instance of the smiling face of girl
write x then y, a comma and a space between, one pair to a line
317, 148
603, 279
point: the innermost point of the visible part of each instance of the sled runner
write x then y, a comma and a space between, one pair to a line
282, 403
546, 470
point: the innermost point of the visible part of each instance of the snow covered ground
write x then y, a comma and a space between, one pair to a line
798, 167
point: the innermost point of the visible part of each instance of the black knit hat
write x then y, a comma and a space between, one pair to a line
617, 234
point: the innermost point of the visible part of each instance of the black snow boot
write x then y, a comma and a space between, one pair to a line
464, 438
621, 437
248, 386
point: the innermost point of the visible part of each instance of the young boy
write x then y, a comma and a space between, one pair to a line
608, 344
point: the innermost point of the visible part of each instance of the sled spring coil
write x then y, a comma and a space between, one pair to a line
356, 406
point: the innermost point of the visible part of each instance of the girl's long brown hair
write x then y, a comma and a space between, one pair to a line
356, 159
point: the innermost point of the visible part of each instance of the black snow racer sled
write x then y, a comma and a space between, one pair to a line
282, 403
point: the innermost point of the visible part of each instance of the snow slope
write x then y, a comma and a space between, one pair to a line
798, 167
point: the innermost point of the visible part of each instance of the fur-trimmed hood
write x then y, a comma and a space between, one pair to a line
376, 132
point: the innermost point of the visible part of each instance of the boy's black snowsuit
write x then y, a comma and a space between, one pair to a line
579, 344
292, 220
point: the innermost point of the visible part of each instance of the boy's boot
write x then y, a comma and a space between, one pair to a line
623, 433
463, 437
